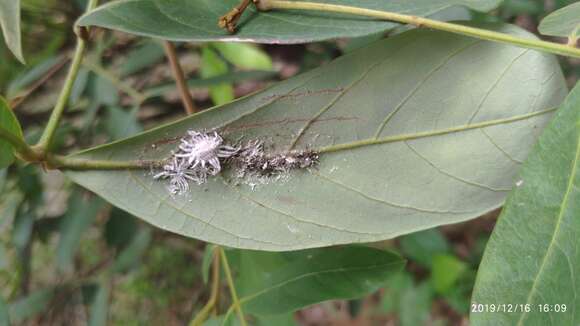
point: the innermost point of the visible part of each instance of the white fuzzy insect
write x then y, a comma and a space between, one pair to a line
198, 156
205, 150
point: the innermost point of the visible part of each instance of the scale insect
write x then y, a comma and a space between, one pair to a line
200, 155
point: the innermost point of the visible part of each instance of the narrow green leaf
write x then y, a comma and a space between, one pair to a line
22, 230
212, 65
121, 123
422, 246
411, 303
4, 315
415, 305
9, 203
244, 55
277, 283
564, 22
446, 270
120, 229
532, 256
79, 217
100, 306
25, 79
132, 254
9, 122
410, 141
196, 20
31, 305
10, 25
105, 92
143, 57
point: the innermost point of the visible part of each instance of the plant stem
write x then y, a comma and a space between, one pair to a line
204, 313
99, 70
229, 20
57, 112
68, 163
231, 285
483, 34
26, 152
179, 78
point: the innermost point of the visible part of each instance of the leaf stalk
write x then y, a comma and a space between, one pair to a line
235, 301
212, 301
23, 150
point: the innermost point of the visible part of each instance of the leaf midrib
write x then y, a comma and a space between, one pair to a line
439, 132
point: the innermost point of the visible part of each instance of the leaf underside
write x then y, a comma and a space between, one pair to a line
196, 20
416, 135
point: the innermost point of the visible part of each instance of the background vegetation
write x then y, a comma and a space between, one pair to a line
68, 257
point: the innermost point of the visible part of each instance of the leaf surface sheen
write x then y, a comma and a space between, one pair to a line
196, 20
415, 132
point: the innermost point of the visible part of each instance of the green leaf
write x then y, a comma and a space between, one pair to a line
395, 287
532, 256
26, 78
80, 216
143, 57
278, 320
410, 141
275, 283
446, 270
31, 305
212, 65
132, 254
410, 302
422, 246
120, 229
121, 123
100, 306
416, 304
4, 316
22, 230
243, 55
564, 22
196, 20
10, 25
10, 201
105, 92
9, 122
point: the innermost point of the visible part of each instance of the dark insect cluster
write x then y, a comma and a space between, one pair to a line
253, 161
